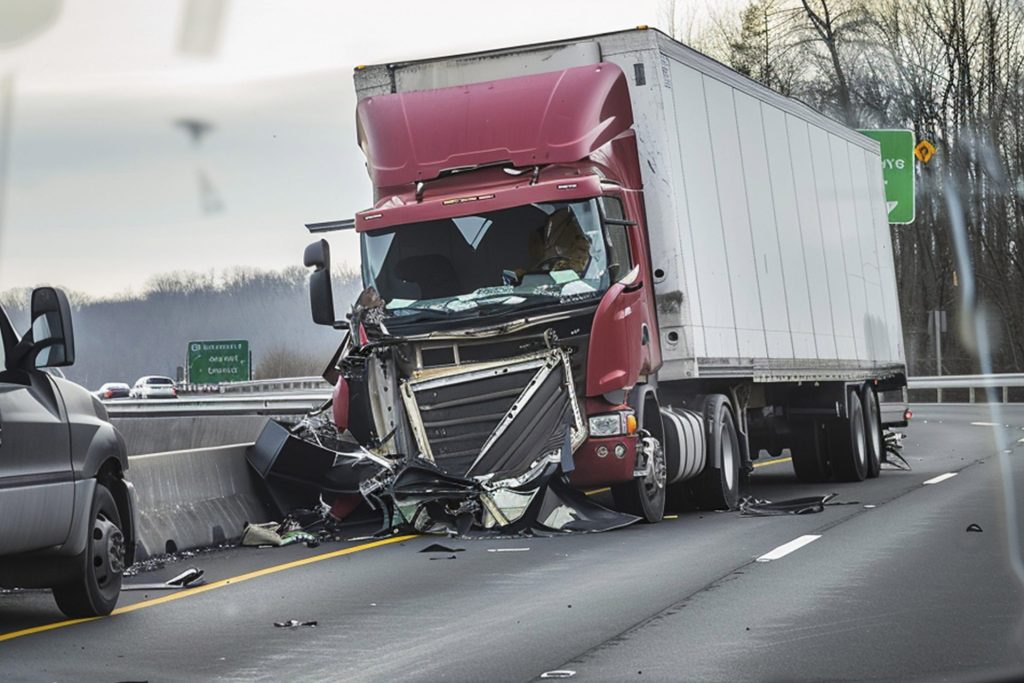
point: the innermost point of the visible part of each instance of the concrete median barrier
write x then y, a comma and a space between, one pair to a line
160, 434
196, 498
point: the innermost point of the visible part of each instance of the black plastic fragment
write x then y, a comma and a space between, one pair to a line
438, 548
293, 623
974, 527
795, 506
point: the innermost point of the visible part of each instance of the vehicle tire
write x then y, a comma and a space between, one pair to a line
718, 488
873, 429
847, 442
645, 496
95, 590
807, 454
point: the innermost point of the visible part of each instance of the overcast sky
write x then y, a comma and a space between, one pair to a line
104, 190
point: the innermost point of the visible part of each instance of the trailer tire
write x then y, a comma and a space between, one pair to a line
718, 487
873, 429
847, 442
807, 454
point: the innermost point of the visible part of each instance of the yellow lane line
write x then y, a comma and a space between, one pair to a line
773, 461
597, 491
184, 593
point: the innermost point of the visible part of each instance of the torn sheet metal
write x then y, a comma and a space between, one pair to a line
491, 444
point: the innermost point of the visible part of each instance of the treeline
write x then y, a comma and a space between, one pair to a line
953, 72
123, 338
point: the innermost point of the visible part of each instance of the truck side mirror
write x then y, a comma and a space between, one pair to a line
50, 343
321, 295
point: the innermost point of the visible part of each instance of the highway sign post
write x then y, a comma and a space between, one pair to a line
897, 171
212, 362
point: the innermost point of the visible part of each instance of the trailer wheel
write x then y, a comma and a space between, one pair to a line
806, 451
847, 442
645, 496
718, 488
873, 428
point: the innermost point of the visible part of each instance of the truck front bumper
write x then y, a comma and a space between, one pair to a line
599, 464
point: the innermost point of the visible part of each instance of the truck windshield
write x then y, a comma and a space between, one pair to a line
494, 262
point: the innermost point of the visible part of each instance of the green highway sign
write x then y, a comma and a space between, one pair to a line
897, 171
211, 362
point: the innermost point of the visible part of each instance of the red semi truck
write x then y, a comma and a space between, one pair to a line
708, 259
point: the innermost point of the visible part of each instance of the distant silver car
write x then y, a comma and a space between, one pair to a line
154, 386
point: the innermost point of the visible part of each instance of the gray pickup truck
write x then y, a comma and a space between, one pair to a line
67, 513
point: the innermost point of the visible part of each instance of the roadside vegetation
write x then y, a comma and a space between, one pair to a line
953, 72
124, 337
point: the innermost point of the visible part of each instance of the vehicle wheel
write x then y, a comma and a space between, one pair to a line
645, 496
94, 592
873, 429
806, 451
718, 488
847, 442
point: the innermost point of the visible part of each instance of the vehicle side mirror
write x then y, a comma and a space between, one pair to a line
321, 295
50, 343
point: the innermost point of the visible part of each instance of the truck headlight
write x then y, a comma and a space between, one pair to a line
613, 424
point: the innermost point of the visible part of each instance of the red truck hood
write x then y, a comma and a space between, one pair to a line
556, 117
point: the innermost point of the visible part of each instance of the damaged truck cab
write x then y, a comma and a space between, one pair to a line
517, 296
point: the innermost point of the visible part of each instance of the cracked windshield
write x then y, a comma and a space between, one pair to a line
503, 260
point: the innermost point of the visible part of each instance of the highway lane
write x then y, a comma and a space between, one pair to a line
895, 591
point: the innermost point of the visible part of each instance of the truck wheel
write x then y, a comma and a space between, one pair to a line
847, 442
95, 590
718, 488
645, 496
808, 457
873, 428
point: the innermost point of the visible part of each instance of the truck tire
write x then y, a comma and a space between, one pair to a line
873, 429
95, 590
807, 454
847, 442
718, 488
645, 496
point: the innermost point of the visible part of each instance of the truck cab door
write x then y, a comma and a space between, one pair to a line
621, 336
36, 474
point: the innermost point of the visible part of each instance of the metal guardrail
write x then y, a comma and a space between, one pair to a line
970, 382
282, 384
296, 395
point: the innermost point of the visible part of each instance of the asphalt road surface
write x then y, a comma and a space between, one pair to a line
890, 586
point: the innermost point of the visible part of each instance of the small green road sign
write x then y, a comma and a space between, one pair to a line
211, 362
897, 171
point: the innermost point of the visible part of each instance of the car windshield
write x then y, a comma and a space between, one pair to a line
497, 261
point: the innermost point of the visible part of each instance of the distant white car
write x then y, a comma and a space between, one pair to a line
154, 386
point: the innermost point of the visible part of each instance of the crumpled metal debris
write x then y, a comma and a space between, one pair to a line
276, 534
190, 578
514, 486
294, 623
892, 455
795, 506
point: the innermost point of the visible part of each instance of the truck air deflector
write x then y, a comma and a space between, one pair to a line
556, 117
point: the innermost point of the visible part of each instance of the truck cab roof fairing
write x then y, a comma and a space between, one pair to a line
555, 117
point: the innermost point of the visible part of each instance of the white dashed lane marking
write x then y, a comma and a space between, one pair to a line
787, 548
941, 477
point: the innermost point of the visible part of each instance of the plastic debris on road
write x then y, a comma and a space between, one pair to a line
294, 623
796, 506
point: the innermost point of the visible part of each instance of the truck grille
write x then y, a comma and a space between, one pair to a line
459, 412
